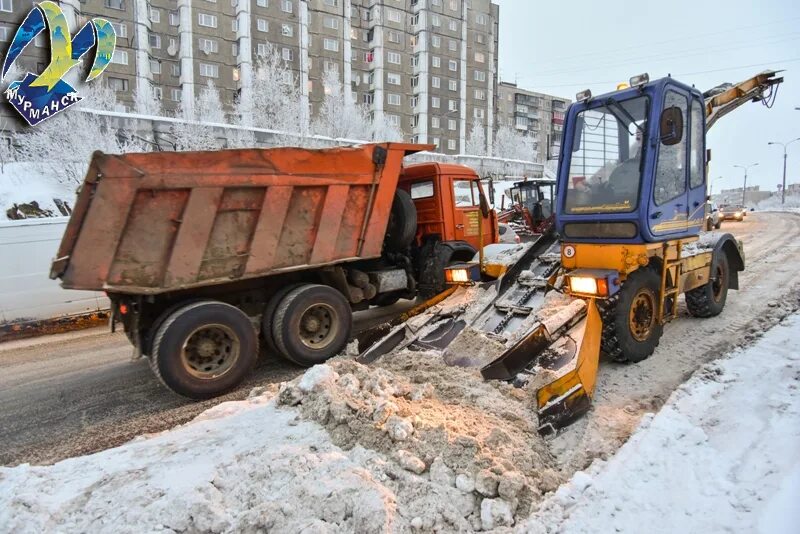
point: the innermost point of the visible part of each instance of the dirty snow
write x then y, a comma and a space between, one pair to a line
721, 455
24, 182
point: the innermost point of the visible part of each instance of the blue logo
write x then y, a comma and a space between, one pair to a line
38, 97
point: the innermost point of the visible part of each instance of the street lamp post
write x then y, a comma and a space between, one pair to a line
785, 146
744, 186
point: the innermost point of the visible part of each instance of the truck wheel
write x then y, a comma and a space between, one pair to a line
709, 299
312, 323
631, 331
268, 317
402, 226
204, 349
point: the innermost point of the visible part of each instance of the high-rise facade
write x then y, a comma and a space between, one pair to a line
537, 115
427, 66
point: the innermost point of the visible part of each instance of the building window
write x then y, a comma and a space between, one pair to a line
479, 57
393, 15
453, 25
452, 105
261, 49
287, 6
262, 25
262, 3
7, 6
209, 21
176, 69
480, 76
436, 102
452, 85
393, 57
209, 46
479, 113
331, 23
116, 4
287, 30
209, 71
394, 37
451, 144
414, 101
480, 94
414, 81
394, 120
393, 99
234, 25
452, 65
155, 66
480, 18
452, 45
175, 95
435, 122
392, 78
120, 57
155, 41
119, 28
331, 66
435, 141
155, 15
331, 45
480, 38
332, 3
117, 84
287, 54
451, 124
436, 61
436, 82
174, 18
368, 98
436, 41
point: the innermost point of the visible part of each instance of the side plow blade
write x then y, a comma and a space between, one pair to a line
569, 396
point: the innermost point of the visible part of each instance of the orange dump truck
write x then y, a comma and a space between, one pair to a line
204, 253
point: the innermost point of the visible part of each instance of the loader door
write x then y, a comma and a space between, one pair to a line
669, 201
697, 166
467, 213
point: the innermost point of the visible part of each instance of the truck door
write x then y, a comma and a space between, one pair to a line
467, 213
697, 166
669, 202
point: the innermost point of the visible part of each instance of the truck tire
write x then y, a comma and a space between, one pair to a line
708, 300
204, 349
402, 226
630, 330
268, 317
312, 323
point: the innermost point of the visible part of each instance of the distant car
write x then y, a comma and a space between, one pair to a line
507, 234
733, 212
713, 220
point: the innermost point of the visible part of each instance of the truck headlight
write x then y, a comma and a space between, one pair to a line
583, 284
457, 276
593, 282
462, 273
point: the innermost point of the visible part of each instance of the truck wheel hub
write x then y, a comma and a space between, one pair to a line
318, 326
642, 316
210, 351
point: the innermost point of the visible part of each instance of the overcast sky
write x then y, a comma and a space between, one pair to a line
563, 47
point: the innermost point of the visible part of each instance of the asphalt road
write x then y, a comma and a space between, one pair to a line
76, 393
70, 394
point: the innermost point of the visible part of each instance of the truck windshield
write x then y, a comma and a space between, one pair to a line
605, 168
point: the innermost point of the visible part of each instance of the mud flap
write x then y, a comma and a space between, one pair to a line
569, 396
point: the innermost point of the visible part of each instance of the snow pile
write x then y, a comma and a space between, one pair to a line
720, 456
773, 203
24, 183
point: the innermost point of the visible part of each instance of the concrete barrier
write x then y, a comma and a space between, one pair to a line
27, 295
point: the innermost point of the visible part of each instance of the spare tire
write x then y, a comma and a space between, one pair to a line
402, 225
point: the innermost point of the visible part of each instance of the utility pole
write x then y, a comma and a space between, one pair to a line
785, 146
744, 186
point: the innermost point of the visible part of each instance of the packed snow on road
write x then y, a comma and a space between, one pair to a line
416, 445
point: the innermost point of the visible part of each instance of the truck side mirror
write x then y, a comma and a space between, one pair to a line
671, 131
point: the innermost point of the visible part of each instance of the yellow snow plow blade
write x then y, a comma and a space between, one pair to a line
569, 396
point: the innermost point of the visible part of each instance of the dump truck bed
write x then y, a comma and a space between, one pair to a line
155, 222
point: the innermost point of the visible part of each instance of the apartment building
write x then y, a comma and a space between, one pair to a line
427, 66
538, 115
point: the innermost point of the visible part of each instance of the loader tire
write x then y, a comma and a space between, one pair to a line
268, 317
312, 324
630, 328
204, 349
708, 300
402, 226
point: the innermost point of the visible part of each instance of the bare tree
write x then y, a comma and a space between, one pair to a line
511, 144
476, 141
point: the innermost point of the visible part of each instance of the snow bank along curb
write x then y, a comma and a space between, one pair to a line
721, 455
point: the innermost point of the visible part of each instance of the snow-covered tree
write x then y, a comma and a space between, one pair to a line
476, 141
340, 116
146, 103
193, 133
511, 144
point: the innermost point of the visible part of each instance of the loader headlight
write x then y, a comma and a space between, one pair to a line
593, 282
463, 273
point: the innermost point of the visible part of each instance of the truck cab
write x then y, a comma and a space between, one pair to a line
633, 165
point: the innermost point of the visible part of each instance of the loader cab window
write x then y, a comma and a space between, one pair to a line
670, 179
605, 168
697, 153
465, 193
